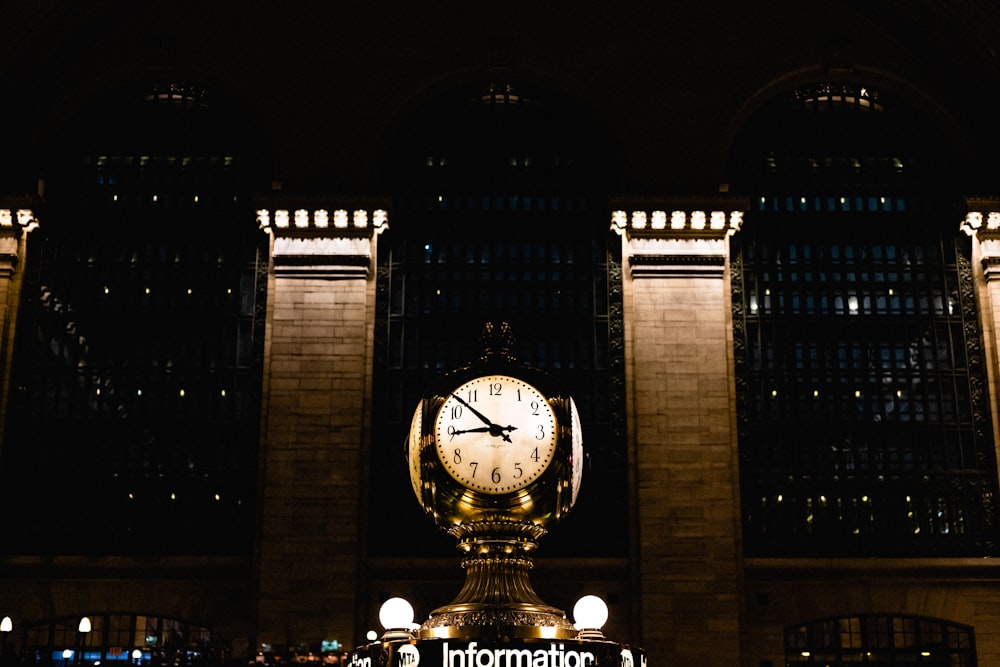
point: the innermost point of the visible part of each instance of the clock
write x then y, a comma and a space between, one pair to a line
495, 453
495, 434
413, 443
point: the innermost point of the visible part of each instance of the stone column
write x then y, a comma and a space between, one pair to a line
982, 223
315, 435
16, 220
681, 414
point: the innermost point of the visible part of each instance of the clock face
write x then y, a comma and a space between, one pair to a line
495, 434
413, 447
577, 449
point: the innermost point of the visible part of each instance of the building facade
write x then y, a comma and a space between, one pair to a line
757, 244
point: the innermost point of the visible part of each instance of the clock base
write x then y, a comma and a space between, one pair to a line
497, 599
477, 621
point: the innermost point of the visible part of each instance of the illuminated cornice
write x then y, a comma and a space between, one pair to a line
679, 237
322, 238
17, 217
17, 213
983, 222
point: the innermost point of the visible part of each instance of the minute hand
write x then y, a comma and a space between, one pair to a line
495, 430
483, 418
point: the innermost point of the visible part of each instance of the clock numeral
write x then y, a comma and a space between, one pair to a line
534, 455
495, 475
473, 465
456, 412
495, 388
541, 433
518, 470
451, 431
457, 456
534, 408
472, 396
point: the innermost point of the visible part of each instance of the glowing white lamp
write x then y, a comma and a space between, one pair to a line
84, 624
591, 613
396, 616
6, 625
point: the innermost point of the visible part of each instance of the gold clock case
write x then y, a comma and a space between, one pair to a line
546, 499
496, 534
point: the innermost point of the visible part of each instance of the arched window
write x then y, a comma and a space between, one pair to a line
500, 213
864, 425
880, 639
134, 414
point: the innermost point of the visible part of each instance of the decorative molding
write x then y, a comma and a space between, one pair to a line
677, 236
330, 238
983, 223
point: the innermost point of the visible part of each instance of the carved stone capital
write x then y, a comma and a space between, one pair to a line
677, 237
330, 238
983, 223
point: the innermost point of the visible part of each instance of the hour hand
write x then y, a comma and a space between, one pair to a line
481, 429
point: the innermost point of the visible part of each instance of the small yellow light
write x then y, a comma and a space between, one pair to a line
181, 393
223, 393
147, 290
155, 198
857, 394
218, 497
107, 290
131, 496
815, 392
189, 290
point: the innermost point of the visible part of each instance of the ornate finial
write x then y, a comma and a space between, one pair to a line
497, 340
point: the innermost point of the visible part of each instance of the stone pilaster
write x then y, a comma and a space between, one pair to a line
315, 438
17, 218
982, 223
683, 440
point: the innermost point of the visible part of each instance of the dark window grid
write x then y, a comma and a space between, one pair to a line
855, 381
830, 448
880, 640
837, 515
839, 369
129, 389
150, 183
111, 631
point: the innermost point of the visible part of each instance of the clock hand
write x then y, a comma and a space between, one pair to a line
479, 414
481, 429
503, 431
493, 429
